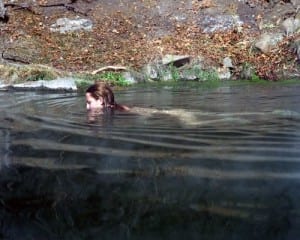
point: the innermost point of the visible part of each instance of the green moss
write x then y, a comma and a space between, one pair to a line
256, 79
207, 75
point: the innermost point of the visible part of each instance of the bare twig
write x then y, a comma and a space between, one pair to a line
109, 68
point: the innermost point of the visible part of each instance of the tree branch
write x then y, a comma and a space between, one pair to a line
114, 68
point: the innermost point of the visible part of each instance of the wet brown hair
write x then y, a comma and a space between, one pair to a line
102, 89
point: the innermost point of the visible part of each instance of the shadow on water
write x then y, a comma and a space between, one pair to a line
205, 165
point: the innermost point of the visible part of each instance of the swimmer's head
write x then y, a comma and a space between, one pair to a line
98, 96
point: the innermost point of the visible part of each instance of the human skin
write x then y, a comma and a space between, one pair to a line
93, 103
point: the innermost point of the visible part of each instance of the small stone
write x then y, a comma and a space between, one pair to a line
64, 25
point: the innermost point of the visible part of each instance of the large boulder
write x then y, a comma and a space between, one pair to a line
268, 41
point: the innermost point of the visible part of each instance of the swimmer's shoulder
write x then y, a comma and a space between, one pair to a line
121, 107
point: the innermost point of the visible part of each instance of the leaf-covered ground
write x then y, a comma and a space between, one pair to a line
125, 38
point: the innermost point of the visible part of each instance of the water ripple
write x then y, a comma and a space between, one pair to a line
226, 155
57, 125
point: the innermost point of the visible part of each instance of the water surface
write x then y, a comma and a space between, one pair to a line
187, 162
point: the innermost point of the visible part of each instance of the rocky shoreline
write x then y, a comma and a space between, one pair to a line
151, 40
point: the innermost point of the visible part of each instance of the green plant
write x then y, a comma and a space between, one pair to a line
111, 77
169, 72
255, 78
174, 72
206, 75
114, 78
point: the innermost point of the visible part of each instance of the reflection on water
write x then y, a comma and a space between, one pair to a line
214, 164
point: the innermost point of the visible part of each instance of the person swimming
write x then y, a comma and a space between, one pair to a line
100, 99
100, 96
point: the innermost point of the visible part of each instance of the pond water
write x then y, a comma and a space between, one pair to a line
221, 163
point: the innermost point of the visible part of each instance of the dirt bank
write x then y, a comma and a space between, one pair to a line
133, 33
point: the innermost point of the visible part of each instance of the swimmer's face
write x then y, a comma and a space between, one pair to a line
93, 103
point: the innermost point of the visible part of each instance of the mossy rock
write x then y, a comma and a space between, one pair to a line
11, 74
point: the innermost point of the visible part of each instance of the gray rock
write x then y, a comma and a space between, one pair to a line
151, 71
296, 3
268, 41
166, 75
64, 25
216, 23
189, 74
165, 70
129, 78
66, 83
176, 60
2, 10
227, 62
224, 73
23, 50
247, 72
296, 48
291, 25
196, 72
